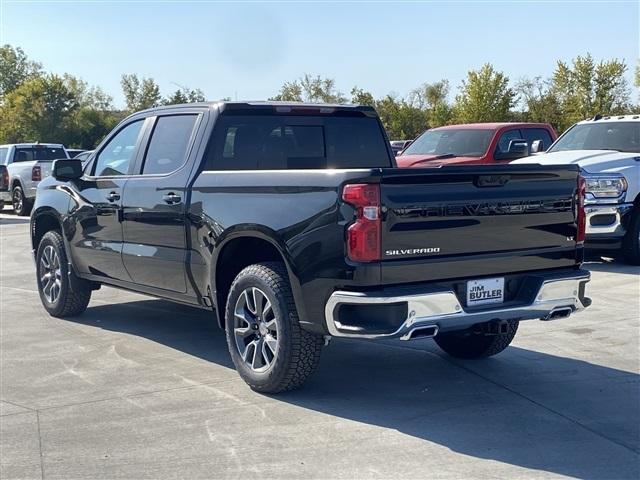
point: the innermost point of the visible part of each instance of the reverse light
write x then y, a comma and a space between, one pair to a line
364, 235
581, 217
36, 173
605, 187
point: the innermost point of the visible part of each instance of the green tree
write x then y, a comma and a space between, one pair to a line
540, 102
362, 97
310, 89
38, 110
485, 96
184, 95
140, 94
15, 69
586, 88
401, 120
53, 108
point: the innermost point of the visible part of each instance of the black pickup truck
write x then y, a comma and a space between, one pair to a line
292, 224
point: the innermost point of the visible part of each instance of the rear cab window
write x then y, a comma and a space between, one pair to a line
38, 153
278, 142
3, 155
533, 134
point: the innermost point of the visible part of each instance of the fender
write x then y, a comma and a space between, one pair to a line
263, 233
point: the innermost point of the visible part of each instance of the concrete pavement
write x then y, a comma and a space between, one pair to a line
141, 388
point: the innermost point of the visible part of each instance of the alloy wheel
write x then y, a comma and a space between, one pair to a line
255, 329
17, 200
50, 274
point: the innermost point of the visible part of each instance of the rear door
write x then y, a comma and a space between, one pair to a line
154, 203
459, 222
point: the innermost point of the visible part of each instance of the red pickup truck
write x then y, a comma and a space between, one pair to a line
477, 143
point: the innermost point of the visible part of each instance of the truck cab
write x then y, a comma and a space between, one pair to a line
476, 143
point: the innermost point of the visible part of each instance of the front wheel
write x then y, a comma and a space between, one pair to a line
269, 349
21, 206
473, 344
54, 279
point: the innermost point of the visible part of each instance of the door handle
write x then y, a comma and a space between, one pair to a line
113, 196
172, 198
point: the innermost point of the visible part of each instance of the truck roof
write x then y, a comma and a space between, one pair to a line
33, 144
493, 125
263, 105
634, 117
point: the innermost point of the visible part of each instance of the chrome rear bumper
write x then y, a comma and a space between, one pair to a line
555, 298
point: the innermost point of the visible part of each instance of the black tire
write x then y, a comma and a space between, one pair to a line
21, 206
470, 344
69, 301
297, 352
631, 241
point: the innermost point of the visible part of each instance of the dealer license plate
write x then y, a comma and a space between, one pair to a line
482, 292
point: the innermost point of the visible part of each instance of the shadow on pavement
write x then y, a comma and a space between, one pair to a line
11, 220
523, 407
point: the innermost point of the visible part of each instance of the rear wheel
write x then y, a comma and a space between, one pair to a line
631, 242
54, 279
21, 206
476, 344
269, 349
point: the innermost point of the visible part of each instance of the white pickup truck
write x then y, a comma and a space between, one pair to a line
27, 164
607, 149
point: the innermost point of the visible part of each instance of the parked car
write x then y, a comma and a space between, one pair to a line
290, 222
74, 152
5, 194
84, 156
608, 151
398, 145
476, 143
27, 164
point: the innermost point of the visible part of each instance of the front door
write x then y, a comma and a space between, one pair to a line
98, 229
154, 211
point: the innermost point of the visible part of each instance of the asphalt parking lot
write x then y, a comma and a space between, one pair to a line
141, 388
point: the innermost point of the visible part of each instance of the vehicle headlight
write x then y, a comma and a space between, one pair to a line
605, 186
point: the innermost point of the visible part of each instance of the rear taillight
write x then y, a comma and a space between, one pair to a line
36, 174
4, 179
581, 217
364, 235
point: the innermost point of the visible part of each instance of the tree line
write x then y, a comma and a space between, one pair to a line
37, 105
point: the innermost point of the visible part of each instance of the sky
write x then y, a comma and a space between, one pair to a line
247, 50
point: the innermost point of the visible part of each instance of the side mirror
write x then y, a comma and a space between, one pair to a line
518, 148
537, 146
67, 169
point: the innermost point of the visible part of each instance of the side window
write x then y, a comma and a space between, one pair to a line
533, 134
3, 155
169, 143
115, 157
505, 138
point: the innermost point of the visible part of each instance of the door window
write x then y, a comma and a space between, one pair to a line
169, 144
114, 159
505, 139
533, 134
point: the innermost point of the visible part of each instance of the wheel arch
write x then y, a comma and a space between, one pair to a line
240, 249
43, 221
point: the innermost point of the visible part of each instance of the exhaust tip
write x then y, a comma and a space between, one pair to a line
558, 313
428, 331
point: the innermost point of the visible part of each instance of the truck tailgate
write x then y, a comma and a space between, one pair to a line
455, 222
